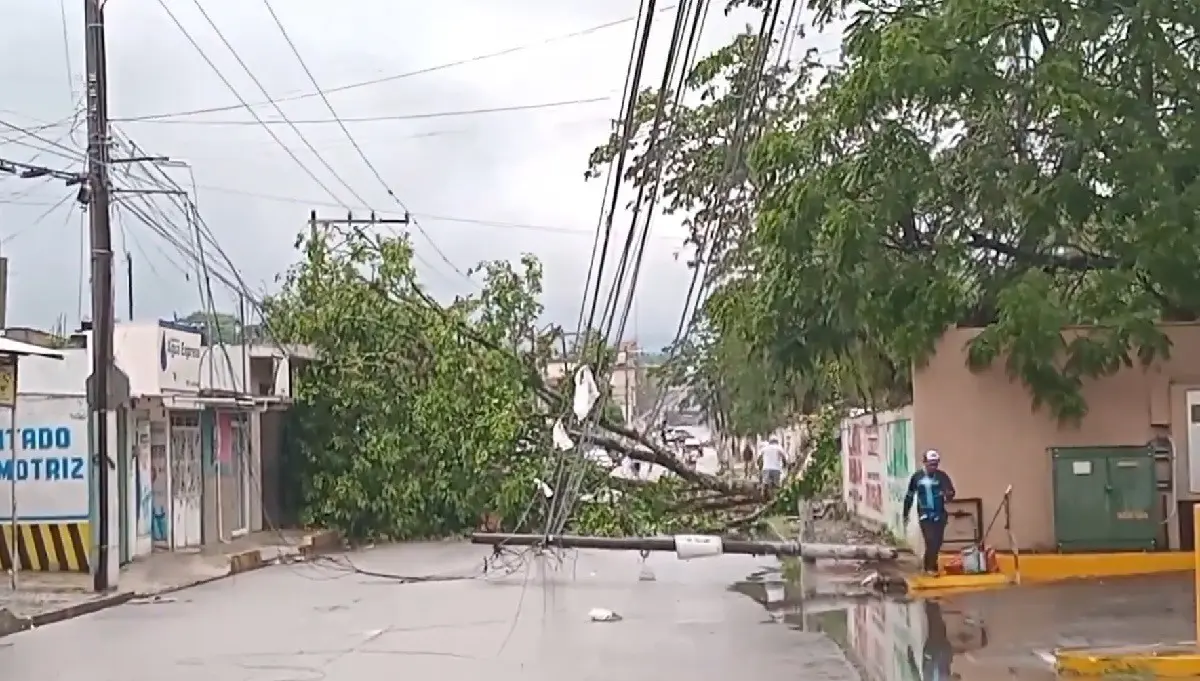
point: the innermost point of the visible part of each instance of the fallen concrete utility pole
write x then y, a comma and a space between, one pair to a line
693, 546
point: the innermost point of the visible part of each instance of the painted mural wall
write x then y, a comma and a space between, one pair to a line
878, 458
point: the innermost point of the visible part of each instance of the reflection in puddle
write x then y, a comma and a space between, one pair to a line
889, 640
904, 641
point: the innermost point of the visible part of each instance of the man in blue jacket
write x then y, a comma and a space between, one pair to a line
931, 488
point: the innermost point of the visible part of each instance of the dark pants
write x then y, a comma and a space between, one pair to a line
933, 532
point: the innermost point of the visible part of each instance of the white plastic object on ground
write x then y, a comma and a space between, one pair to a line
586, 393
559, 435
689, 546
546, 490
603, 615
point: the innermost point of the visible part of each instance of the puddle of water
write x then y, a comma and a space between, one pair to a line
1005, 635
890, 639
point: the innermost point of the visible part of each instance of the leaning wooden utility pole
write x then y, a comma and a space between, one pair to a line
100, 390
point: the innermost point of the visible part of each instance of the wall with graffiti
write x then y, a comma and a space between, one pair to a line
878, 458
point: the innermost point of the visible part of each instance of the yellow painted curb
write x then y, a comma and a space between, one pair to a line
1058, 567
946, 583
1176, 662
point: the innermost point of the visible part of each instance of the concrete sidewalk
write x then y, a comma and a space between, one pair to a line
44, 598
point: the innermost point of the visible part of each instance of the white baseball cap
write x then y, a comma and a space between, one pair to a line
932, 456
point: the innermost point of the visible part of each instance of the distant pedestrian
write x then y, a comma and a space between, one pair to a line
770, 457
931, 488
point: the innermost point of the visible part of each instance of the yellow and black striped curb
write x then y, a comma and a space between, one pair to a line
46, 547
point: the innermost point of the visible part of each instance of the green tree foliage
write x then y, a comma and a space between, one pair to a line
220, 326
1016, 166
822, 472
419, 420
705, 180
738, 389
410, 428
1022, 167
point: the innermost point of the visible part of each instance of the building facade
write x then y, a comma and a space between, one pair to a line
188, 442
626, 376
1125, 477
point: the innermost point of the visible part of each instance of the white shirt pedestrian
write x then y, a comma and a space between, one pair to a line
771, 456
771, 459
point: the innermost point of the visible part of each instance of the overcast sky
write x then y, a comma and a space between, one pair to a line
492, 171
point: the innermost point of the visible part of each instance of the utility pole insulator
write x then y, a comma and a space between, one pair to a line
351, 221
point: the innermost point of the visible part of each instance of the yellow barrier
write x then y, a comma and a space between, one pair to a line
1058, 567
46, 547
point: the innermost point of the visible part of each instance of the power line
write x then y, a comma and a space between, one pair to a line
435, 217
57, 148
354, 142
393, 77
36, 222
66, 40
679, 59
714, 231
500, 224
381, 119
187, 34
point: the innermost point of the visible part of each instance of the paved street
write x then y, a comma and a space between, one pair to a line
304, 623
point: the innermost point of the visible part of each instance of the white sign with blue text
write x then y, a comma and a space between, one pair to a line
180, 357
50, 470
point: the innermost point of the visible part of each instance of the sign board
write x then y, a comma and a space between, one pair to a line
51, 469
180, 356
8, 380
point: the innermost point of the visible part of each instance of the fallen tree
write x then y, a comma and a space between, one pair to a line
421, 418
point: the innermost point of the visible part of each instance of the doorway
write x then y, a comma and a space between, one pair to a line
233, 449
186, 486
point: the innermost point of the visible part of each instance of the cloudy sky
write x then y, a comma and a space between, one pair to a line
484, 186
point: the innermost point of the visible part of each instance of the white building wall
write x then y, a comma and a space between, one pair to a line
45, 464
50, 464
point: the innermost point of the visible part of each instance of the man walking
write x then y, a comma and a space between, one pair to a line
931, 488
771, 459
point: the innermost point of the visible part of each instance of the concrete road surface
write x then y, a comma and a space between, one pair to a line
313, 623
